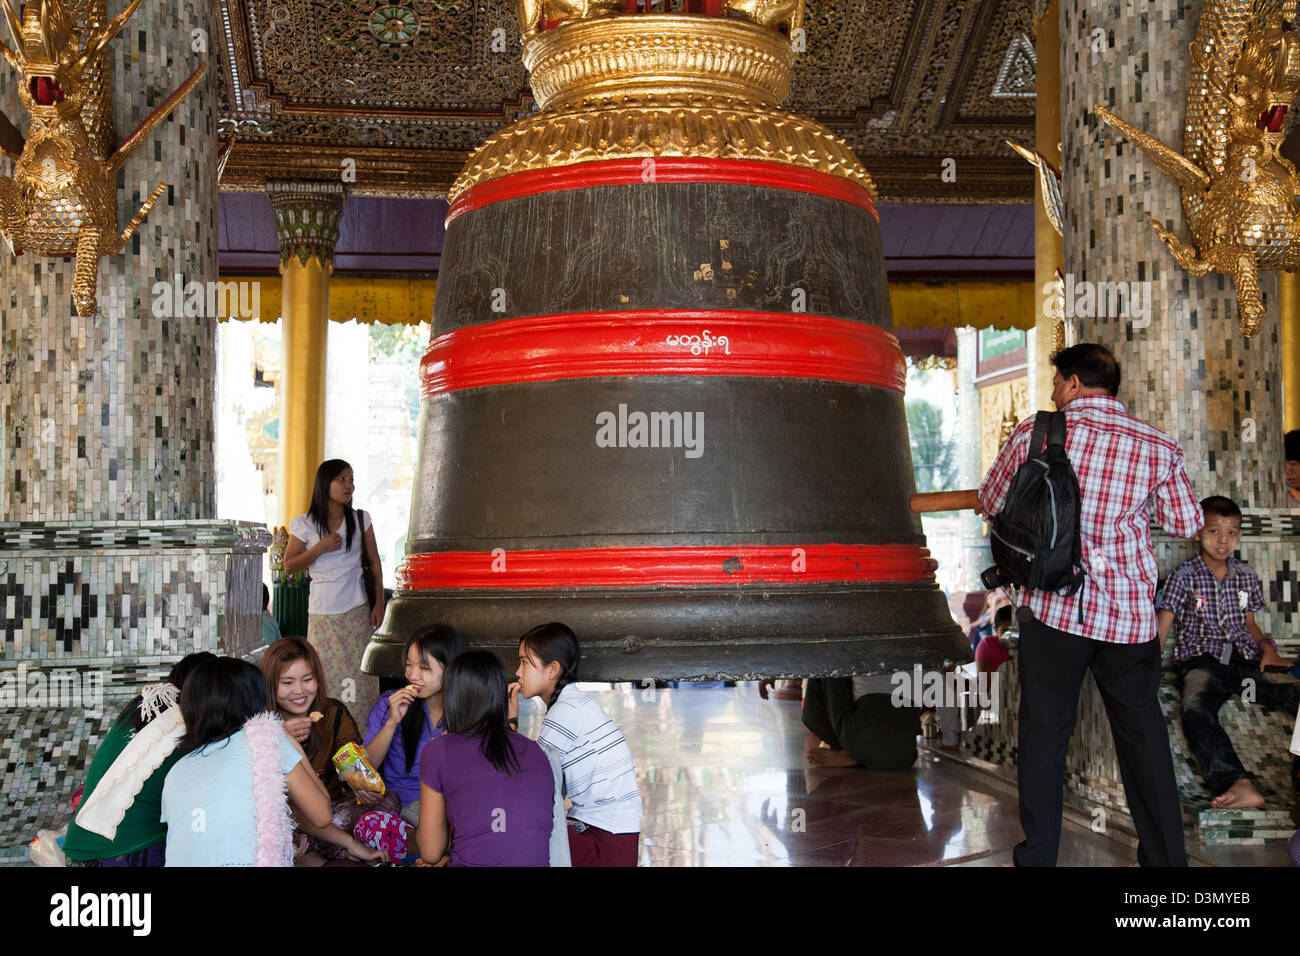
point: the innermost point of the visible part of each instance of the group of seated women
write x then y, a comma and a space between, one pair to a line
229, 765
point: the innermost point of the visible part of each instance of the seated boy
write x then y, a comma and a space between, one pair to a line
1214, 598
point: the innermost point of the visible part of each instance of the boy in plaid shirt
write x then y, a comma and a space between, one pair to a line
1221, 650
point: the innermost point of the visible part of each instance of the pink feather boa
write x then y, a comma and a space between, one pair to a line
272, 822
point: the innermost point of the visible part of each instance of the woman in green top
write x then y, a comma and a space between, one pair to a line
141, 837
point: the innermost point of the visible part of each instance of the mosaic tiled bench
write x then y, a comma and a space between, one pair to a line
1092, 777
1258, 827
97, 610
1261, 739
44, 754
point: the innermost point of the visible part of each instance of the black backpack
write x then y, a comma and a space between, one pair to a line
1035, 540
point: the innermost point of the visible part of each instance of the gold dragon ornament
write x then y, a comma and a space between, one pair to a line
61, 200
1239, 193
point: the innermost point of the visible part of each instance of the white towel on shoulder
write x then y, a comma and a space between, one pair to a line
103, 811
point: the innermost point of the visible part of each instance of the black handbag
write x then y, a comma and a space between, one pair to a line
367, 571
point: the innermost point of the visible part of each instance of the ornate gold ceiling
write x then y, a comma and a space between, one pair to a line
406, 91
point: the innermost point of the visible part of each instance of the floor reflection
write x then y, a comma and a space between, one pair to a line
725, 783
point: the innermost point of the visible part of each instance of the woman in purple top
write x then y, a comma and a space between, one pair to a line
402, 722
486, 792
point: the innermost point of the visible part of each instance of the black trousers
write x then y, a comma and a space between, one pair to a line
1052, 666
1207, 685
870, 729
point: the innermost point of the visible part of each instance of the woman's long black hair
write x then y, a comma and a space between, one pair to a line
474, 705
555, 642
444, 644
320, 501
218, 697
180, 670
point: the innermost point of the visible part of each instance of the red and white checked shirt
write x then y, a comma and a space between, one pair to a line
1124, 468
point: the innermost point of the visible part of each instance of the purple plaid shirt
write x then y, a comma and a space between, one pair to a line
1211, 613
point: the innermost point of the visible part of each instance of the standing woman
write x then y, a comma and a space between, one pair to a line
327, 542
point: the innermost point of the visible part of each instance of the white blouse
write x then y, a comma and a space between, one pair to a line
599, 775
336, 585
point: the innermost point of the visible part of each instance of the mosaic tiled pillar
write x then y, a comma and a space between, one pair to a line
307, 218
1186, 367
91, 612
110, 417
112, 564
1047, 242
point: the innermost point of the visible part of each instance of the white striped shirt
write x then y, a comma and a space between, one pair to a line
599, 776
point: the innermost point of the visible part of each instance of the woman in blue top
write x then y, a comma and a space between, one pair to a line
403, 721
223, 801
139, 837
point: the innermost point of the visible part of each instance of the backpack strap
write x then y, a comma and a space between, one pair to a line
1055, 429
1056, 434
1041, 420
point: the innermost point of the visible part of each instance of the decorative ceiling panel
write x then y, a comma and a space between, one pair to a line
407, 90
419, 55
998, 82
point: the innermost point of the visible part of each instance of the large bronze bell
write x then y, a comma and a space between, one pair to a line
663, 403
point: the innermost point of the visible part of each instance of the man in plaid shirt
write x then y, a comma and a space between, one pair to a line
1221, 650
1124, 467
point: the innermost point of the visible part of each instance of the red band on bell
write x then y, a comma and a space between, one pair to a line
762, 565
666, 169
659, 342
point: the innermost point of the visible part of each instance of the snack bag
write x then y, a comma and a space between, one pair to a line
355, 770
47, 848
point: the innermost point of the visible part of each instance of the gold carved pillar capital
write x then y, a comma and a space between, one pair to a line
307, 218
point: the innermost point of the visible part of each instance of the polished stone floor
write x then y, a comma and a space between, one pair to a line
725, 783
